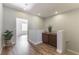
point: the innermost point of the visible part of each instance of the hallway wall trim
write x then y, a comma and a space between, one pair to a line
34, 42
72, 51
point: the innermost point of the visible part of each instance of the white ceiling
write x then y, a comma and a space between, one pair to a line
43, 9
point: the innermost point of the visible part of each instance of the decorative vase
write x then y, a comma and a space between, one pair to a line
50, 28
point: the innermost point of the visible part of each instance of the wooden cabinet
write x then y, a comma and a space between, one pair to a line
50, 38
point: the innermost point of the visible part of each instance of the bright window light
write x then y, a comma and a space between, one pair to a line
24, 27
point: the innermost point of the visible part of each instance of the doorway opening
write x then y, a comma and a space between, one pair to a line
21, 26
21, 32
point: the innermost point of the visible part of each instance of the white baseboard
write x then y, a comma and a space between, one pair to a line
72, 51
35, 43
59, 51
38, 42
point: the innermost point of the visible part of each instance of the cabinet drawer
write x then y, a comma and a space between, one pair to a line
50, 39
45, 38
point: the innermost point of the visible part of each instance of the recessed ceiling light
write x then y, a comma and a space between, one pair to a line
56, 12
28, 6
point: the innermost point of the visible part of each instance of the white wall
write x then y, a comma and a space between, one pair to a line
69, 22
35, 29
1, 11
34, 22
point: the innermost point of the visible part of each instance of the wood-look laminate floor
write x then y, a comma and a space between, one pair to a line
23, 47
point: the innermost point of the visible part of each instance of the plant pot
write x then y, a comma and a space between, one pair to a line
50, 29
7, 42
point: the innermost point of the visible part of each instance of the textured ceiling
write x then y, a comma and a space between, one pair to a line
44, 9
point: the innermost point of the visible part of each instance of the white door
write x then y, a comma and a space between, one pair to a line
21, 26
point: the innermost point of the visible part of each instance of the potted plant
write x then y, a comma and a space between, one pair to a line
50, 28
7, 35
